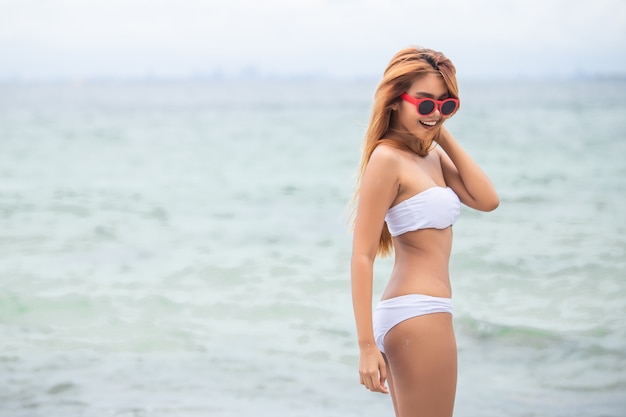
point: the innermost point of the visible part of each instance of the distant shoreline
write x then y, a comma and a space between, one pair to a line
77, 81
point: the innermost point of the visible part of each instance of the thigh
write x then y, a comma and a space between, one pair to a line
422, 357
392, 388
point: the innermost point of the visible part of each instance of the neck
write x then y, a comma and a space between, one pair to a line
408, 141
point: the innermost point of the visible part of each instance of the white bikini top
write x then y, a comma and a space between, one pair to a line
433, 208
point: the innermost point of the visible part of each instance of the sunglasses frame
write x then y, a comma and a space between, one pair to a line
438, 104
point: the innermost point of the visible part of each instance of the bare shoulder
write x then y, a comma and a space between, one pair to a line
383, 167
385, 155
438, 150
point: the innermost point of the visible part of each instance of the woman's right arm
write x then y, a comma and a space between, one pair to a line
378, 189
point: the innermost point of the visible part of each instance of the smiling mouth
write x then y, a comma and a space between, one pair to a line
429, 124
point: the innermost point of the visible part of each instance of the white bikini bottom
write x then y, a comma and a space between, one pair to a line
392, 311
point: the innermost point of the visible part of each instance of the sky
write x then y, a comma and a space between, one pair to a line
344, 39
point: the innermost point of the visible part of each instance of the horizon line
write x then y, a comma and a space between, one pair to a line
255, 77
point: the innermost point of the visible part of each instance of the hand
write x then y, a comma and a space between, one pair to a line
373, 370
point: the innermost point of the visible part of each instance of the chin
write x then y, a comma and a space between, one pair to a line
427, 135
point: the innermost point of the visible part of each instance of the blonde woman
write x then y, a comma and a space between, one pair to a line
414, 176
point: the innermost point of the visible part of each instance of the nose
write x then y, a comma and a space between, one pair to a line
437, 111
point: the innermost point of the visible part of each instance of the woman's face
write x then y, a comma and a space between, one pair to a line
409, 119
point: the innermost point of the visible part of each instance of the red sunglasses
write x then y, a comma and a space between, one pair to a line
427, 106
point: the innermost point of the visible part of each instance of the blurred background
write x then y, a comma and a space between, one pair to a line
142, 39
175, 180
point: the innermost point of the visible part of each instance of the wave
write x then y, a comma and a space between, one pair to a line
594, 342
489, 331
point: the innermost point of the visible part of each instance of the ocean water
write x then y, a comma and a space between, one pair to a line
182, 249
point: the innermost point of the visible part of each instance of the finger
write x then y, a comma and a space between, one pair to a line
383, 373
373, 384
365, 379
370, 383
383, 388
380, 387
383, 378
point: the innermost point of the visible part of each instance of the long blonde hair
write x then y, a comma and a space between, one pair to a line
405, 66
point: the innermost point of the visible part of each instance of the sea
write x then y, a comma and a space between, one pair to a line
181, 248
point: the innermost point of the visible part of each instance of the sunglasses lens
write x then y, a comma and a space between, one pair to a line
426, 107
448, 107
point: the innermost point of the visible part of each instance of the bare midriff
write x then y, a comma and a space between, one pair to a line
421, 264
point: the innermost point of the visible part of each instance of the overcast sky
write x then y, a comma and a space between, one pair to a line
79, 39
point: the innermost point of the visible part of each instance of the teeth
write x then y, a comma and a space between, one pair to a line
429, 123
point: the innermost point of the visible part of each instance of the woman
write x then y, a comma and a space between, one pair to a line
413, 177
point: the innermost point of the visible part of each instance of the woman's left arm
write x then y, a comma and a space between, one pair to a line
464, 175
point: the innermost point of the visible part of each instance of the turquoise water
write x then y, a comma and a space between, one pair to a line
181, 249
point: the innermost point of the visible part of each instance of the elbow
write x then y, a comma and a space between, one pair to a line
486, 204
363, 258
492, 204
